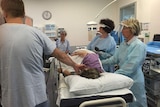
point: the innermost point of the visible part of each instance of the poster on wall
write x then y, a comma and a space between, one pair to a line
145, 33
144, 26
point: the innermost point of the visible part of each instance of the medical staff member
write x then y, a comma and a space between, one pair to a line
130, 57
2, 21
21, 75
62, 43
103, 43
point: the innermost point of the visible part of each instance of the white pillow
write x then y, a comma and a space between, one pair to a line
107, 82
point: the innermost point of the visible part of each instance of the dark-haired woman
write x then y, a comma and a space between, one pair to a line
103, 43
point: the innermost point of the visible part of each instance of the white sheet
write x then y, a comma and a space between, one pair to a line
75, 58
63, 91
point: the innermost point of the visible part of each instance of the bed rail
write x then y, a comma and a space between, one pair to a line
107, 102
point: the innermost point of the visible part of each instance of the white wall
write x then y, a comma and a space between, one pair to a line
155, 17
73, 15
147, 12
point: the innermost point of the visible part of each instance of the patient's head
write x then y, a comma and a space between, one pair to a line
90, 73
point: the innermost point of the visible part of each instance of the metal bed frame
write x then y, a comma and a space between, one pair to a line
108, 102
52, 80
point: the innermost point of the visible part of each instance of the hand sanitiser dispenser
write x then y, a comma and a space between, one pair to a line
92, 29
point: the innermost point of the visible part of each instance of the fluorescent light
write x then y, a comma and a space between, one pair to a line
92, 23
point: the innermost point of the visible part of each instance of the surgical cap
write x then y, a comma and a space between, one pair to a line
133, 24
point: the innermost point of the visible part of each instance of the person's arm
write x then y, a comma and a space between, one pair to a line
110, 52
63, 57
49, 48
134, 61
112, 60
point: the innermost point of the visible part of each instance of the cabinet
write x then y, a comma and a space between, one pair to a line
50, 30
152, 81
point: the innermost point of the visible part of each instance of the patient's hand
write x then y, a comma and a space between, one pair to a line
60, 70
79, 67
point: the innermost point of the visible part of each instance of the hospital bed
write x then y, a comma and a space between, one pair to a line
114, 98
61, 95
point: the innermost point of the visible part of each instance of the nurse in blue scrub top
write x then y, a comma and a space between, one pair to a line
103, 43
62, 43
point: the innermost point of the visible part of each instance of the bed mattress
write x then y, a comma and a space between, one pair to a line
67, 99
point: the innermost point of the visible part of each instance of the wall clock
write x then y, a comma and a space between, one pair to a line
47, 15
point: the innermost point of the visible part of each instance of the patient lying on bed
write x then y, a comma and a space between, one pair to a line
90, 73
92, 62
76, 85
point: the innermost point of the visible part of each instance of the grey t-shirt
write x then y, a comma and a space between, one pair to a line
22, 77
